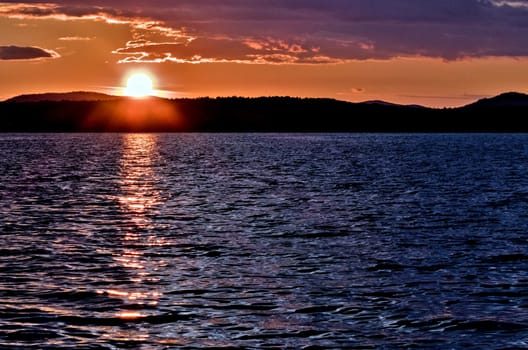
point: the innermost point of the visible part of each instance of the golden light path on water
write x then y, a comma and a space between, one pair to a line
138, 199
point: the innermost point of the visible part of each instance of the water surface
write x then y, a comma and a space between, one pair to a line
159, 241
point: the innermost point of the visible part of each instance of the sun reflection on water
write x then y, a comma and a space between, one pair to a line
130, 315
138, 199
138, 179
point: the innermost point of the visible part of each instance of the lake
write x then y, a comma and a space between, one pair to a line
315, 241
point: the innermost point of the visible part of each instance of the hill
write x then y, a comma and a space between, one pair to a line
63, 96
504, 113
508, 99
385, 103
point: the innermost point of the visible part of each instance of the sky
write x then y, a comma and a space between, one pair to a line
439, 53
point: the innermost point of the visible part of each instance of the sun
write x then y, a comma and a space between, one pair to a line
139, 85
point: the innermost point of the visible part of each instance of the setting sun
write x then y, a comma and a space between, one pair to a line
139, 85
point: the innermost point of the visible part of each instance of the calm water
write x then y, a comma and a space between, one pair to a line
263, 241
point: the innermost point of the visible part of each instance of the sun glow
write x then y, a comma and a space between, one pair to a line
139, 85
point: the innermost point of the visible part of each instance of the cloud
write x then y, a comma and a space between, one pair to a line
223, 49
25, 53
511, 3
140, 26
76, 38
300, 31
351, 91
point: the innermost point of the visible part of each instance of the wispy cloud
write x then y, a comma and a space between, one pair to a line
511, 3
351, 91
76, 38
26, 53
222, 49
462, 97
140, 27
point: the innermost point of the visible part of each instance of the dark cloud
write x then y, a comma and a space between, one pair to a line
312, 31
25, 53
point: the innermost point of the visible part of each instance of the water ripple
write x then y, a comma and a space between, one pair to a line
240, 241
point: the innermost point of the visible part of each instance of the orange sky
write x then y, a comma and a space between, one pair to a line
96, 50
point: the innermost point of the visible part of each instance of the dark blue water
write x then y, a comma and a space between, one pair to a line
265, 241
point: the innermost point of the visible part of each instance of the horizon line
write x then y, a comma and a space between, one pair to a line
372, 101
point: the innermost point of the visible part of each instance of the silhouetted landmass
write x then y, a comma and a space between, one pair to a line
66, 96
385, 103
508, 99
504, 113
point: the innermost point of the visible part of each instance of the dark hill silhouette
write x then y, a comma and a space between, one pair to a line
385, 103
508, 99
504, 113
63, 96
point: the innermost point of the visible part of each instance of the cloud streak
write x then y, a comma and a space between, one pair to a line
76, 38
300, 32
25, 53
223, 49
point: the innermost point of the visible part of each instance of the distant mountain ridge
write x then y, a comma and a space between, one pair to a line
507, 99
95, 112
512, 99
385, 103
63, 96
